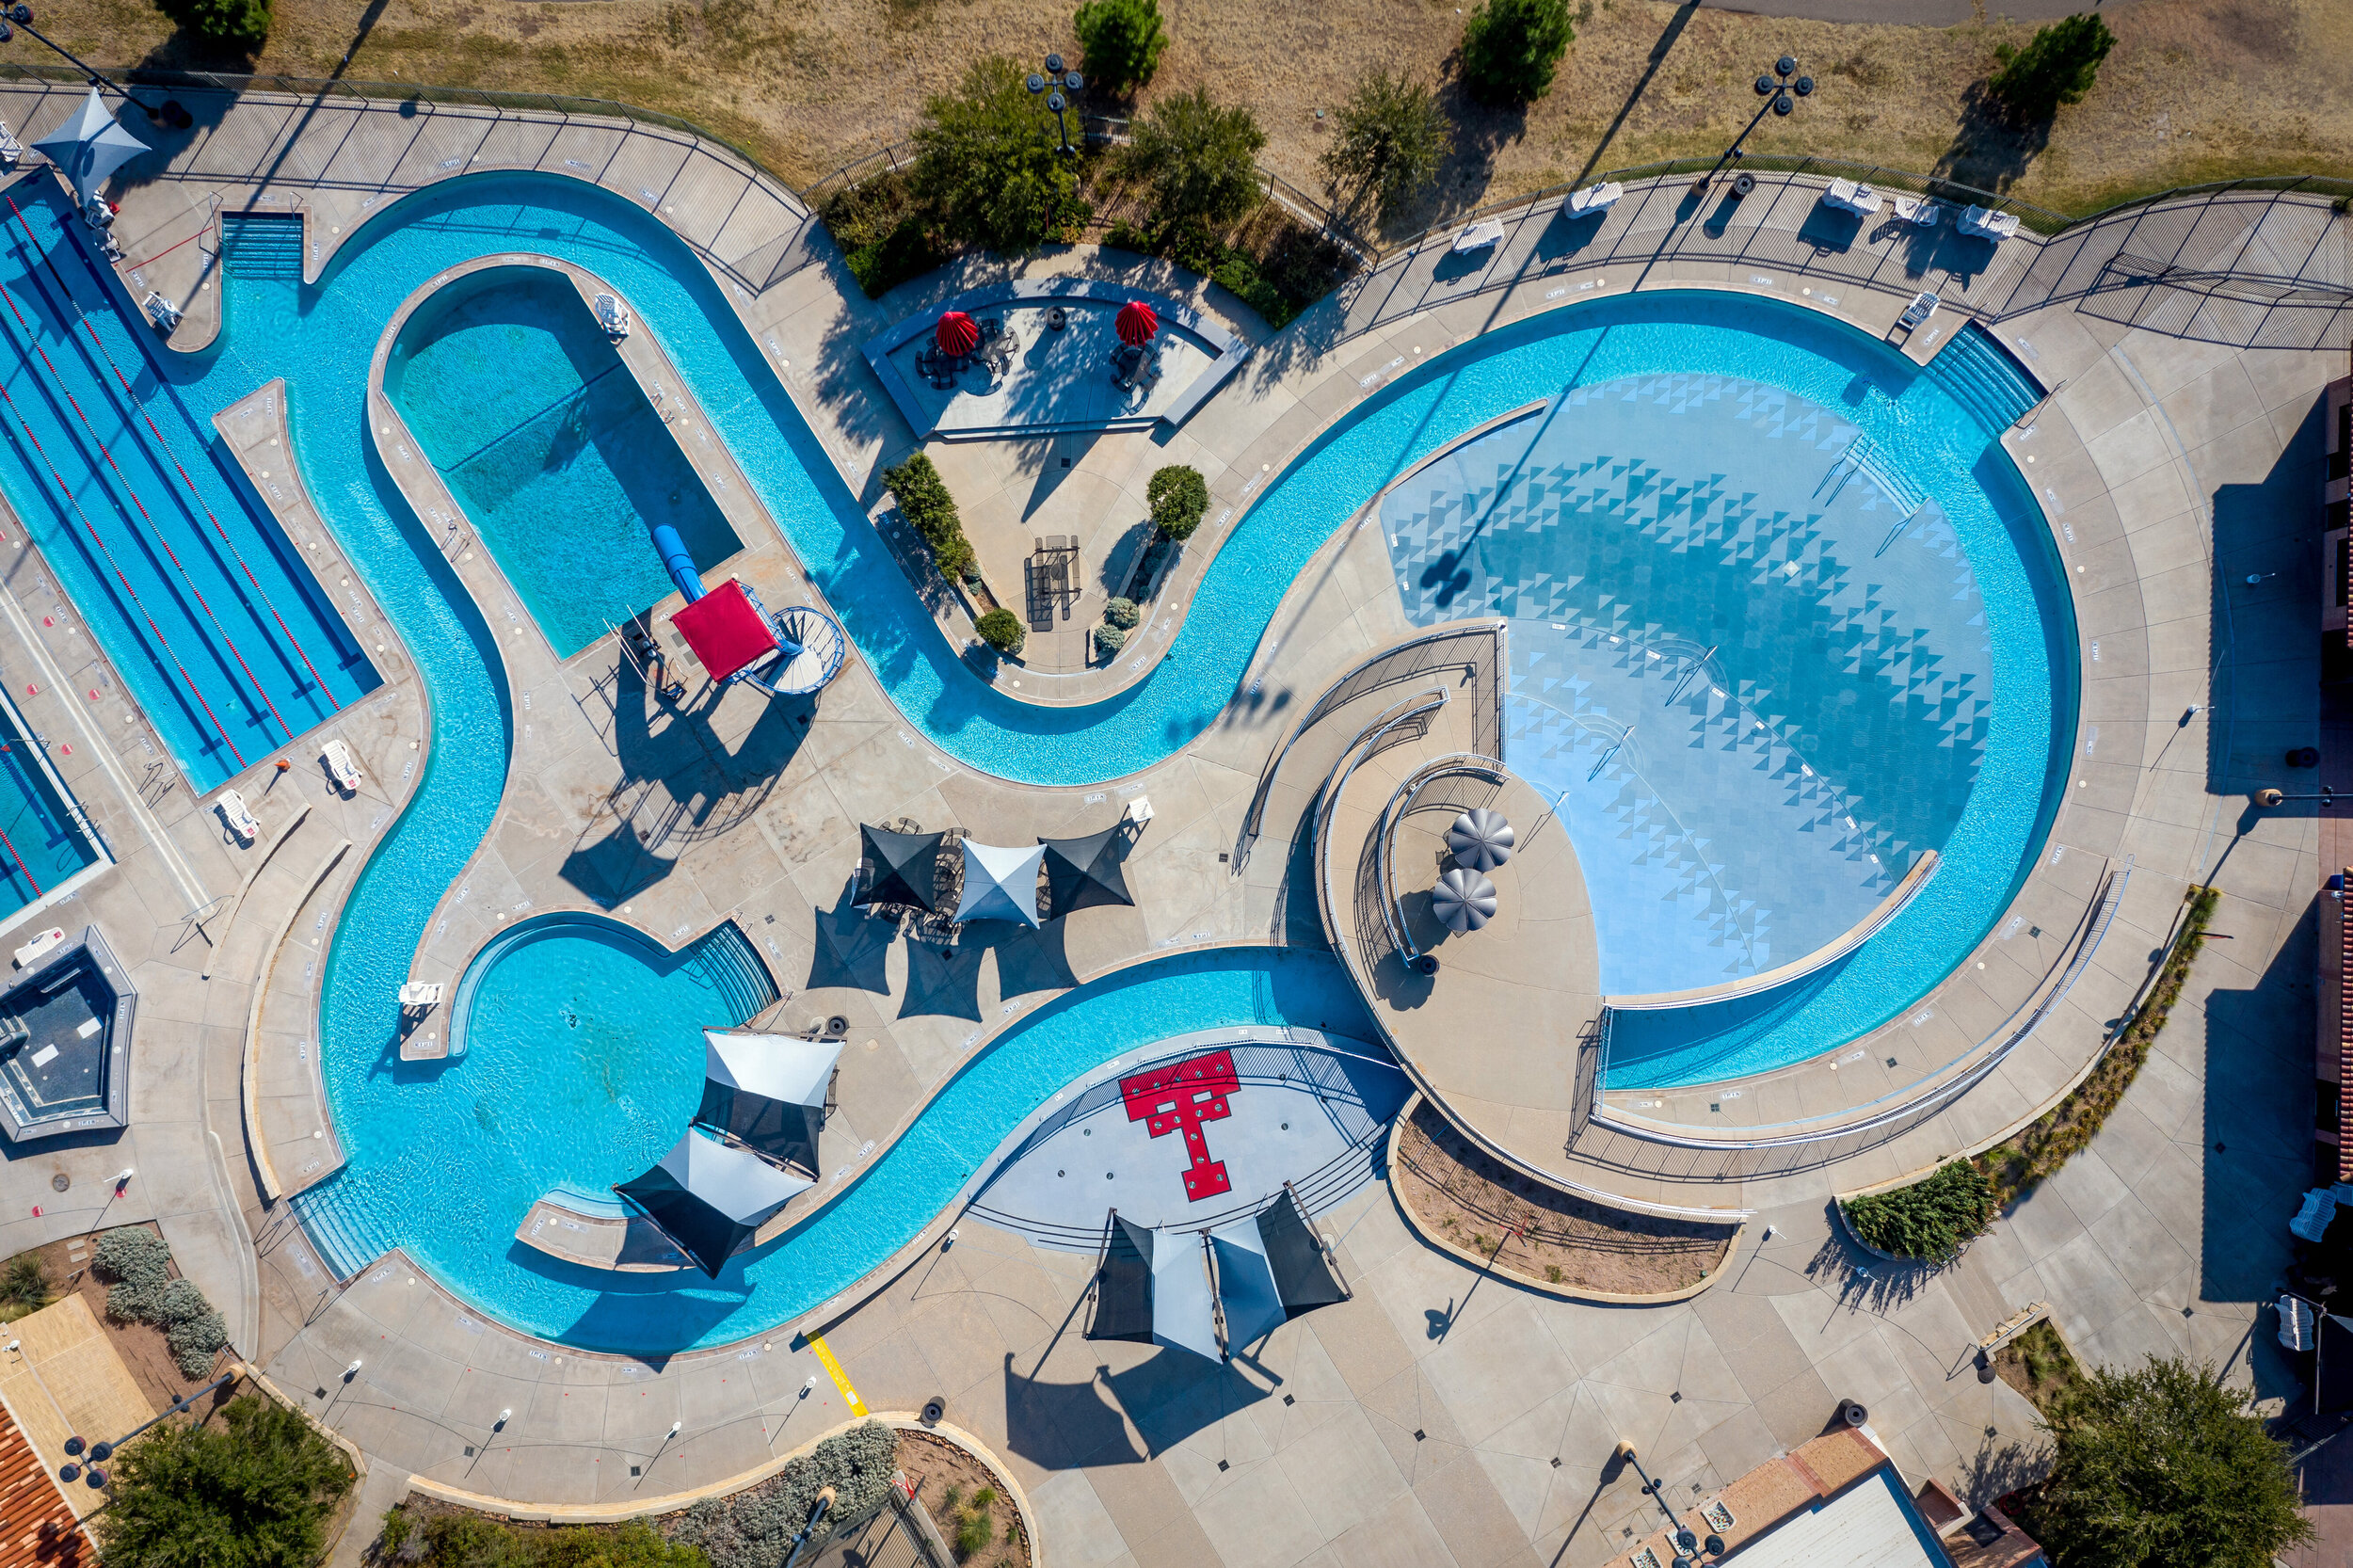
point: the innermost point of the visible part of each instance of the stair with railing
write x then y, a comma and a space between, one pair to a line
1986, 378
264, 246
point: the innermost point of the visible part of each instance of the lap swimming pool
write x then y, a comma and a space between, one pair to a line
323, 338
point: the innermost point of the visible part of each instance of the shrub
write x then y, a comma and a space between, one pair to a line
754, 1529
1239, 275
133, 1259
1121, 42
885, 236
2165, 1464
1930, 1219
2058, 66
256, 1495
983, 164
1110, 639
1511, 47
1123, 235
1122, 612
232, 22
1391, 135
973, 1533
1001, 630
1200, 159
197, 1341
1178, 496
931, 511
26, 1283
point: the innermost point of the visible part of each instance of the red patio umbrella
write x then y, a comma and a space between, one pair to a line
1137, 323
957, 333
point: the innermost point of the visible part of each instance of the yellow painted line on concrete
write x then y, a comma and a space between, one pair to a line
840, 1378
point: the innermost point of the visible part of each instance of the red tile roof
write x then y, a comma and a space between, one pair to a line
37, 1527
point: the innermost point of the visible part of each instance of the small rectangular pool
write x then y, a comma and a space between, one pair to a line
545, 439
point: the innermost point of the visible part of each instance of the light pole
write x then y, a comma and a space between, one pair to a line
89, 1473
169, 113
1686, 1544
1780, 94
2269, 798
1059, 80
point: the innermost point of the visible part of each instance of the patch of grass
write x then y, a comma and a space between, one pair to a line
2013, 1168
1931, 1219
2040, 1366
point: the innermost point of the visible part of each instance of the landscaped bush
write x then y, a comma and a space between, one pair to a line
1001, 630
754, 1529
1200, 159
1178, 496
464, 1540
985, 164
134, 1258
1391, 134
25, 1284
1122, 41
2058, 66
1930, 1219
1511, 47
256, 1495
931, 511
1122, 612
2015, 1167
1110, 639
1123, 235
232, 22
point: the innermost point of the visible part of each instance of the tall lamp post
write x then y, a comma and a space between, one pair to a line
1688, 1545
88, 1472
1059, 80
171, 112
1780, 94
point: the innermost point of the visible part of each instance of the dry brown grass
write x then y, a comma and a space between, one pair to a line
2195, 89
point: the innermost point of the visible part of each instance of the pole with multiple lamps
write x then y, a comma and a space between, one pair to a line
83, 1460
1055, 83
1781, 92
169, 113
1688, 1545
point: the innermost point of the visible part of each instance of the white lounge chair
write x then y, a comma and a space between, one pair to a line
1916, 313
1479, 236
1139, 812
11, 150
1594, 198
417, 995
161, 312
613, 316
239, 816
1986, 224
341, 766
1921, 212
39, 945
1852, 197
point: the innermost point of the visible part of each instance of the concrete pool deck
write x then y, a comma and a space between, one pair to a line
2183, 478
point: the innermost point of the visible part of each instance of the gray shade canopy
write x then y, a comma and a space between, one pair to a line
1462, 901
1480, 840
1000, 883
89, 147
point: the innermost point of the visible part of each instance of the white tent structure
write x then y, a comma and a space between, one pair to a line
709, 1197
1246, 1283
1182, 1314
1000, 884
89, 147
768, 1092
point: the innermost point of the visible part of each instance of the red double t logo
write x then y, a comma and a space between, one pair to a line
1179, 1099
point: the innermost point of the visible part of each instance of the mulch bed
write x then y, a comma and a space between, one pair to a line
1463, 1193
935, 1465
143, 1347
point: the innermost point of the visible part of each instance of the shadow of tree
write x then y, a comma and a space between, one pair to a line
1864, 1281
1993, 147
2000, 1466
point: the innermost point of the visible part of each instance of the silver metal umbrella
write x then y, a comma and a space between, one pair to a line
1480, 838
1464, 901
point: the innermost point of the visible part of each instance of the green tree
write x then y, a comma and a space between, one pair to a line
1178, 496
1391, 136
1200, 156
256, 1496
986, 160
2165, 1467
931, 511
1121, 41
2058, 66
1001, 630
1931, 1218
1511, 47
241, 23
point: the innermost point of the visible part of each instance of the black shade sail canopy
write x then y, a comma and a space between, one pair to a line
710, 1197
767, 1092
1303, 1275
898, 866
1083, 873
1123, 1298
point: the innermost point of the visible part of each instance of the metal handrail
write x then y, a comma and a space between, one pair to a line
1392, 813
1411, 708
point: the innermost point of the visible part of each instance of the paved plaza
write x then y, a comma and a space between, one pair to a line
1439, 1416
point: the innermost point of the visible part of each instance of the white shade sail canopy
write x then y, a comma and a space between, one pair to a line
1000, 884
774, 1066
90, 146
1181, 1295
1246, 1283
736, 1182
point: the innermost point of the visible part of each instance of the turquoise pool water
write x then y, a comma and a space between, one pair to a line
545, 439
322, 339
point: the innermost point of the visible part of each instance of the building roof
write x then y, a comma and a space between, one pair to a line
64, 1377
36, 1525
